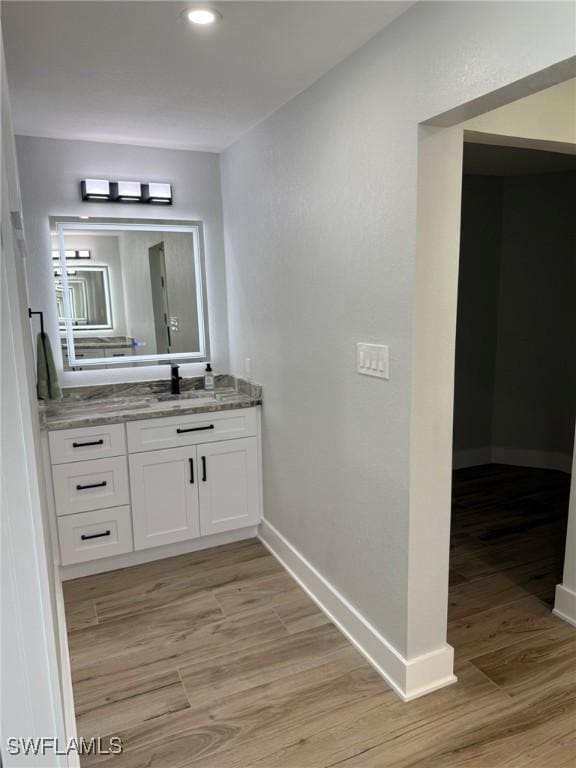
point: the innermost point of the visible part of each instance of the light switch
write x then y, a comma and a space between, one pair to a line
372, 360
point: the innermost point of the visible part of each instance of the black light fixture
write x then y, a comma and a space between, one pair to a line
158, 193
102, 190
127, 191
95, 189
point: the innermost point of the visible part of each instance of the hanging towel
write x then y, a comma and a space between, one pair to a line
47, 386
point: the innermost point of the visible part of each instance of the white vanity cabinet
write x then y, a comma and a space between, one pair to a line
151, 483
228, 485
164, 496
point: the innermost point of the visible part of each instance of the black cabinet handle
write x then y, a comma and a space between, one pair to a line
86, 536
204, 476
191, 471
194, 429
93, 485
83, 445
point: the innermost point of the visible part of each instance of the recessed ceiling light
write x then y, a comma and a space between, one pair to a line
202, 16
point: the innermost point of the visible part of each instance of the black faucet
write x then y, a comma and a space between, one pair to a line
175, 379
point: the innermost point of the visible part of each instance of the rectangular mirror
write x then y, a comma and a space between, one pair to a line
129, 292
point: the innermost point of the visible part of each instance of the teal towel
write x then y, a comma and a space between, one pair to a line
47, 386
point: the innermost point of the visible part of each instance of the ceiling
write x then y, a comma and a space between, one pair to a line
139, 73
491, 160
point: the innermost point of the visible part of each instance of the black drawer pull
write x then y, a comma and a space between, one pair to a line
86, 536
194, 429
204, 476
191, 471
83, 445
92, 485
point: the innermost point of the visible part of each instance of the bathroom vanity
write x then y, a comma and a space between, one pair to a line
136, 470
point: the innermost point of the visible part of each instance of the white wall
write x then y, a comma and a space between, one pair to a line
515, 363
320, 211
36, 689
50, 174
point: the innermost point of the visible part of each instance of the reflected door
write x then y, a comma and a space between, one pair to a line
159, 298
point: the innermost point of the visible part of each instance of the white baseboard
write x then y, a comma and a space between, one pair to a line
79, 570
565, 604
67, 692
408, 678
516, 457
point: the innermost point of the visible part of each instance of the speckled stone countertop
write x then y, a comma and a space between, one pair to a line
96, 342
115, 403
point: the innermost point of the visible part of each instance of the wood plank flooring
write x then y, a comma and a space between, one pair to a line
217, 659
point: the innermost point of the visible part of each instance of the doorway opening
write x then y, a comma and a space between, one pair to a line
514, 403
156, 257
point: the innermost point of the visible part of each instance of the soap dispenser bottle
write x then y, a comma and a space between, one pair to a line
208, 378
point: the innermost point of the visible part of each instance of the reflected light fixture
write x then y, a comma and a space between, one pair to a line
83, 253
202, 16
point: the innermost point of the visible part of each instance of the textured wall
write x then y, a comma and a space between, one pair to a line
320, 211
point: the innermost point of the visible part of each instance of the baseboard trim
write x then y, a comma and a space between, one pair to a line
565, 604
91, 567
410, 679
65, 670
516, 457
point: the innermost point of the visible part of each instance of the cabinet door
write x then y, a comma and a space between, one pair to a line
164, 496
229, 485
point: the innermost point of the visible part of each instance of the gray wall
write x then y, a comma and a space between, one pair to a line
535, 382
478, 300
515, 355
320, 212
50, 173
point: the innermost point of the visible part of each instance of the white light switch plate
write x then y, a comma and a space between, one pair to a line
372, 360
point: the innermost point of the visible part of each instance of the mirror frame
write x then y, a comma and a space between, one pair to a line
59, 225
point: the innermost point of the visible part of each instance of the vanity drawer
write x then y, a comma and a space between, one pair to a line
87, 485
90, 535
174, 431
87, 443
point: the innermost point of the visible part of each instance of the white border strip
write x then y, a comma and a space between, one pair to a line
408, 678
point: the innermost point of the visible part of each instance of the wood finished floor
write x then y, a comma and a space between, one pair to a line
218, 660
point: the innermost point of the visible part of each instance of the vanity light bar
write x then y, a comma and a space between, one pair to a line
83, 253
102, 190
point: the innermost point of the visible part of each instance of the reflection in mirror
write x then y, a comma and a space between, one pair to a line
89, 297
129, 292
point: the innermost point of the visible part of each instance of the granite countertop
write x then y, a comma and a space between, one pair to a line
97, 342
116, 403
